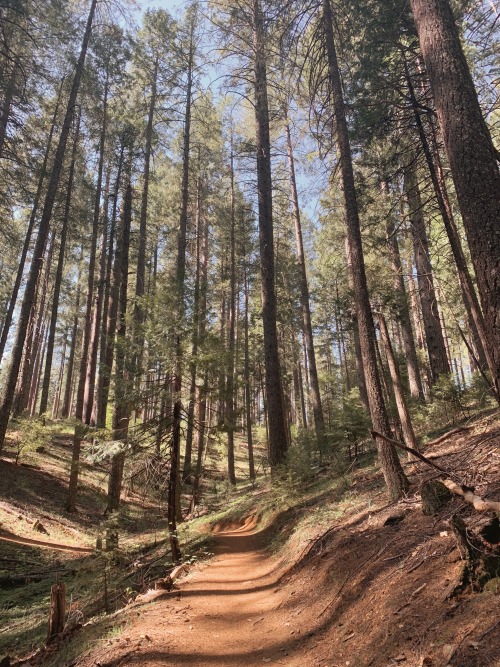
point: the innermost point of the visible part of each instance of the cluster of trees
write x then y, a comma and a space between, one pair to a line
181, 256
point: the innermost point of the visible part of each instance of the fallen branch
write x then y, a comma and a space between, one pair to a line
167, 582
470, 497
410, 450
460, 429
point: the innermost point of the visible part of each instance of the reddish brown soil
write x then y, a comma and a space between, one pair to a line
371, 592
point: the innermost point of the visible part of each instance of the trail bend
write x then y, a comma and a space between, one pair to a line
226, 613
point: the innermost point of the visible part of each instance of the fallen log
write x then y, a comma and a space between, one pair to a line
167, 582
442, 438
470, 497
410, 450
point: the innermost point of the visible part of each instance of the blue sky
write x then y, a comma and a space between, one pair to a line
170, 5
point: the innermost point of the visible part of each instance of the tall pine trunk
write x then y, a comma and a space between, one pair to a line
471, 154
395, 478
436, 347
121, 414
403, 312
319, 421
58, 277
92, 326
31, 224
43, 231
230, 420
471, 302
278, 428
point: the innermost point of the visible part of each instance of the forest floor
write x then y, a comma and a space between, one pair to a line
336, 578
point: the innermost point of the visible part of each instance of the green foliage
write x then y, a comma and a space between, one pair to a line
31, 435
350, 424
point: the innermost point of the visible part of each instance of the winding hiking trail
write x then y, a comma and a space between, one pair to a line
226, 612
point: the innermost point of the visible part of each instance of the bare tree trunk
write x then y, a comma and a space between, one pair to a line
231, 333
319, 421
57, 394
404, 415
121, 415
248, 396
33, 340
27, 240
43, 230
195, 338
278, 429
108, 323
471, 154
473, 309
92, 321
395, 478
140, 285
433, 335
403, 314
117, 268
44, 399
66, 409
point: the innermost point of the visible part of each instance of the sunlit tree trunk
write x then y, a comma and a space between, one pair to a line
395, 478
43, 231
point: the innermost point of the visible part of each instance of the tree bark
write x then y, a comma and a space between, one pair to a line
319, 421
66, 409
433, 335
108, 322
231, 331
195, 337
470, 152
395, 478
140, 285
27, 240
121, 414
43, 230
403, 313
44, 399
278, 428
403, 412
471, 302
93, 316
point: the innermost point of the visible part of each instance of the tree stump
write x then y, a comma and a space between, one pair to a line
111, 539
480, 550
434, 496
57, 611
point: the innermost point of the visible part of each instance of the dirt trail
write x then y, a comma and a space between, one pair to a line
225, 613
42, 544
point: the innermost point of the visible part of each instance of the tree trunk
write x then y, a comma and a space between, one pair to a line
404, 415
108, 323
433, 335
403, 313
33, 341
27, 240
79, 429
66, 409
195, 338
278, 430
231, 332
395, 478
319, 421
473, 309
44, 399
43, 230
92, 324
140, 285
248, 395
471, 154
121, 415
